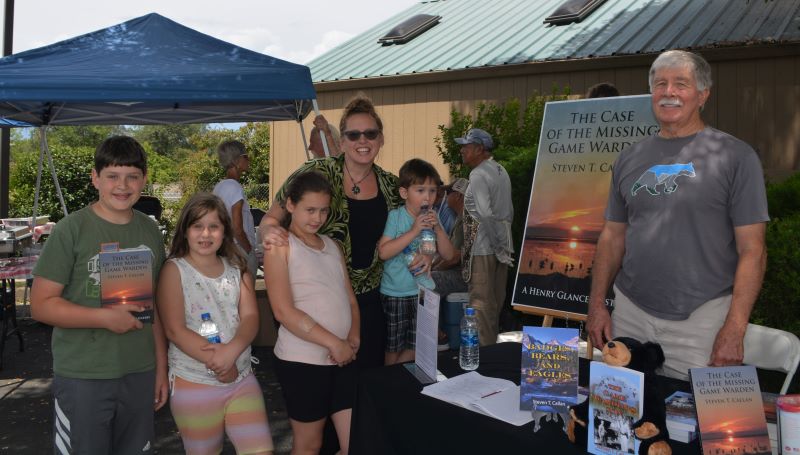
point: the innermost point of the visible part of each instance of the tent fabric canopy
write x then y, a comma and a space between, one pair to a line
150, 70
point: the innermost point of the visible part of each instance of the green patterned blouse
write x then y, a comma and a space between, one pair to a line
336, 227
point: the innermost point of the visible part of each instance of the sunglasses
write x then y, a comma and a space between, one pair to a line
354, 135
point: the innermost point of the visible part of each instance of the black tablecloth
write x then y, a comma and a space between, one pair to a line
391, 416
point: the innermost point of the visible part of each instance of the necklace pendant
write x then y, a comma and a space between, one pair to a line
355, 189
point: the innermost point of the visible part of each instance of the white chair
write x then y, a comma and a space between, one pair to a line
772, 349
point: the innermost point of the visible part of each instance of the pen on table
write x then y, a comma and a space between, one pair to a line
490, 394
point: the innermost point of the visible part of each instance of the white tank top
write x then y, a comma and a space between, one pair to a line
318, 286
218, 296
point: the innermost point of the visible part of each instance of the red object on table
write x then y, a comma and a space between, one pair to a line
17, 268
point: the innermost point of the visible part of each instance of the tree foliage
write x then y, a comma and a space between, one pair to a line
73, 166
167, 140
177, 154
780, 294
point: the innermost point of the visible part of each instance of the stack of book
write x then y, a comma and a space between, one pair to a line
681, 417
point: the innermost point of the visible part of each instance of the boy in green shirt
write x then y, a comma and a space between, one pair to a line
108, 366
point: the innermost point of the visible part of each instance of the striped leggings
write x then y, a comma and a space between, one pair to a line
204, 413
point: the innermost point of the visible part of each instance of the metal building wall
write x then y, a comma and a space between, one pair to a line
754, 98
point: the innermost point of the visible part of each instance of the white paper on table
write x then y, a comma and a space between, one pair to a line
493, 397
427, 332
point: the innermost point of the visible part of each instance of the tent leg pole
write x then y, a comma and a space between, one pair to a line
42, 146
55, 176
303, 136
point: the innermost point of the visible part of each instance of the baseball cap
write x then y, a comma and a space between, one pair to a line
476, 136
459, 185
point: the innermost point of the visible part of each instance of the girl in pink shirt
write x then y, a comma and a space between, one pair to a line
311, 296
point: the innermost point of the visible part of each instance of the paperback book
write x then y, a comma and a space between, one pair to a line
615, 404
729, 410
681, 416
126, 278
549, 372
680, 410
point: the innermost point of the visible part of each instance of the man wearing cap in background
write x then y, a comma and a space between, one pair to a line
488, 213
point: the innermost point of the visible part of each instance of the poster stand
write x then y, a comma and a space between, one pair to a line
549, 314
579, 143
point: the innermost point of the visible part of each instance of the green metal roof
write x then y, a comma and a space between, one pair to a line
481, 33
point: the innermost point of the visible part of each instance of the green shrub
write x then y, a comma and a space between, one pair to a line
780, 295
784, 197
73, 167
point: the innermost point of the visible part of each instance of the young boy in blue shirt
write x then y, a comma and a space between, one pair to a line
109, 368
399, 292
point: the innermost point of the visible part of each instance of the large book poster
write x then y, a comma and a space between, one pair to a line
580, 140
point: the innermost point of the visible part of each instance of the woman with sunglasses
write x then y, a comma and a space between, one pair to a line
363, 194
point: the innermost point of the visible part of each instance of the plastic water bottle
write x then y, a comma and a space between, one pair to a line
468, 355
209, 330
423, 279
427, 237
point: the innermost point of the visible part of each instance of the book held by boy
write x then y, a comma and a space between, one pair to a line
126, 278
730, 412
615, 404
549, 371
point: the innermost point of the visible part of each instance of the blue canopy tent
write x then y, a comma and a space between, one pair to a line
148, 70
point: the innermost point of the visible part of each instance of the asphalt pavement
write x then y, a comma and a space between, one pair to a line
26, 404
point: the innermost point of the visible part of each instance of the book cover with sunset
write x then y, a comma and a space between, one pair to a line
615, 404
549, 373
126, 277
729, 411
580, 140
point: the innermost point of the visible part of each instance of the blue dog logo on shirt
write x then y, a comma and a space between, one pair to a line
662, 174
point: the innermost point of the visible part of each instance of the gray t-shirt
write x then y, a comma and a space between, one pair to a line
681, 199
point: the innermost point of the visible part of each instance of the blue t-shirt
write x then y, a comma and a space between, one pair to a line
397, 281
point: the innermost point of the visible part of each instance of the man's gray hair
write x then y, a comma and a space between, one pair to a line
682, 59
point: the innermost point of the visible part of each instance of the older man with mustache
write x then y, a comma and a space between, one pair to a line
683, 241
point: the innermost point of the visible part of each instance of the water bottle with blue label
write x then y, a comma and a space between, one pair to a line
422, 279
468, 355
208, 329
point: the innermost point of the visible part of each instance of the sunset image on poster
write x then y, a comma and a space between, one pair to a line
580, 140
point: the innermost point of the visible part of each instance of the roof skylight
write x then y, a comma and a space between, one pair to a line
409, 29
572, 11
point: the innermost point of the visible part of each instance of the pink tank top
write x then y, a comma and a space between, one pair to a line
318, 286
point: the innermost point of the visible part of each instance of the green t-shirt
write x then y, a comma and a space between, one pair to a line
70, 257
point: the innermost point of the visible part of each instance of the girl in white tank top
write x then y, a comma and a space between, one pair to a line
311, 296
211, 377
